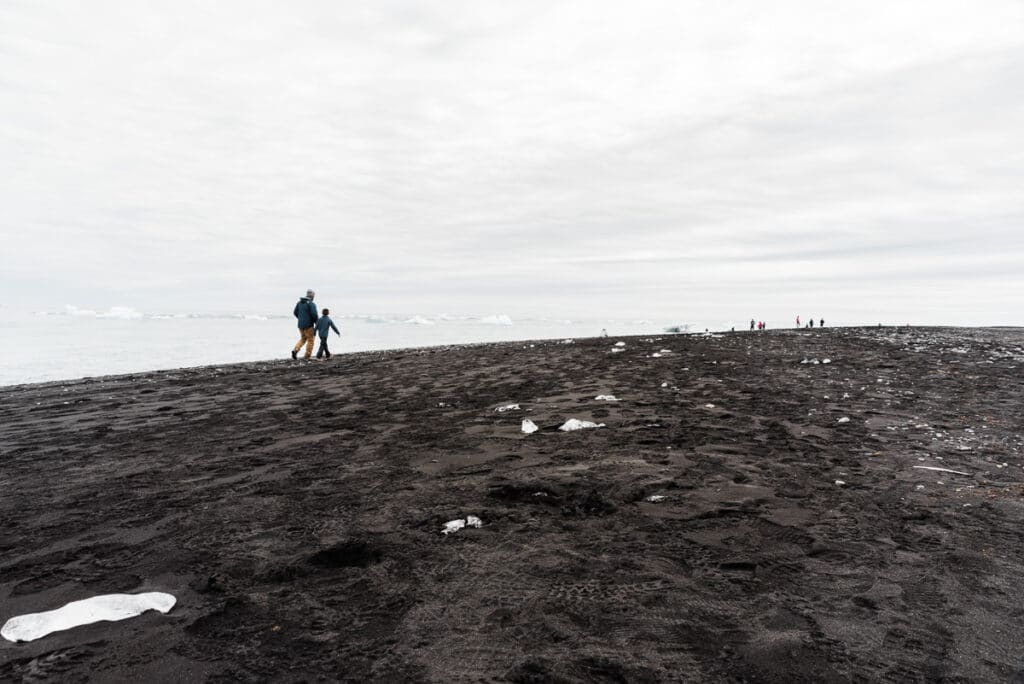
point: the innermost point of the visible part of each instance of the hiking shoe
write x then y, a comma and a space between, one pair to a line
295, 355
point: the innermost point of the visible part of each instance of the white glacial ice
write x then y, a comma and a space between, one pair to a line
606, 397
507, 407
574, 424
500, 319
529, 427
456, 525
107, 607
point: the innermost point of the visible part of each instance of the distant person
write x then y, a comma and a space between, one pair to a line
812, 322
305, 312
323, 328
604, 332
822, 323
751, 324
798, 321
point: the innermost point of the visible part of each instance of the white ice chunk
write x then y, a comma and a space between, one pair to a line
656, 498
616, 350
507, 407
942, 470
456, 525
108, 607
574, 424
620, 344
606, 397
453, 526
826, 360
844, 419
529, 427
709, 406
840, 483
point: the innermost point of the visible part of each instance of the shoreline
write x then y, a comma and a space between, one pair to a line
340, 355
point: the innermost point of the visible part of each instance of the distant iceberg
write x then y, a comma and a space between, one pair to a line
117, 312
500, 319
419, 320
123, 313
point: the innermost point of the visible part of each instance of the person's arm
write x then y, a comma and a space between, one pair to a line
335, 328
312, 310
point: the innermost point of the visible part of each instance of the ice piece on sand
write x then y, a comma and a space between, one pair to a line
574, 424
606, 397
942, 470
507, 407
655, 355
709, 406
107, 607
620, 344
616, 350
844, 419
826, 360
529, 427
456, 525
656, 498
840, 483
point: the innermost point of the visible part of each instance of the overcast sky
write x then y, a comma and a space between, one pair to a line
629, 158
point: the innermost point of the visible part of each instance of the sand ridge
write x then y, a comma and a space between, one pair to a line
723, 525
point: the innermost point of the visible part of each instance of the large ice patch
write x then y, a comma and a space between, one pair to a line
108, 607
574, 424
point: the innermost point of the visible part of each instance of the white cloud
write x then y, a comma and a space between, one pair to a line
585, 154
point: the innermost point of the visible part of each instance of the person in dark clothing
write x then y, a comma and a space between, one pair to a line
822, 323
323, 329
751, 324
305, 312
812, 322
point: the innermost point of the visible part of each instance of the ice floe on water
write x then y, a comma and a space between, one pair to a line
456, 525
529, 427
606, 397
500, 319
507, 407
104, 608
574, 424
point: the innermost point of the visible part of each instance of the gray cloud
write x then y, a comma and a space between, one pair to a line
652, 157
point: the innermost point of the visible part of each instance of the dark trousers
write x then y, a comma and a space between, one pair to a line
323, 350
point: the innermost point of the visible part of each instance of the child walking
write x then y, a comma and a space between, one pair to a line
323, 328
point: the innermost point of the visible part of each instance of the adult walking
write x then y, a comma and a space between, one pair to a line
305, 312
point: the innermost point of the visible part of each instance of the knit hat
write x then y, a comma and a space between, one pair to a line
310, 294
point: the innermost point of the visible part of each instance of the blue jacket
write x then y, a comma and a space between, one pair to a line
305, 311
324, 325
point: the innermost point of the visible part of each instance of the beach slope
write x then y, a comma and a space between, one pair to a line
758, 507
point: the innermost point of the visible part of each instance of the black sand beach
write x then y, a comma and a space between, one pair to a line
295, 510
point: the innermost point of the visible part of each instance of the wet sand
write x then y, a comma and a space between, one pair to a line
295, 510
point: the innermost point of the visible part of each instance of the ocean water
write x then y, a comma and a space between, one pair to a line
75, 343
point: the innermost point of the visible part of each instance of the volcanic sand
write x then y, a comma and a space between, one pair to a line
295, 510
